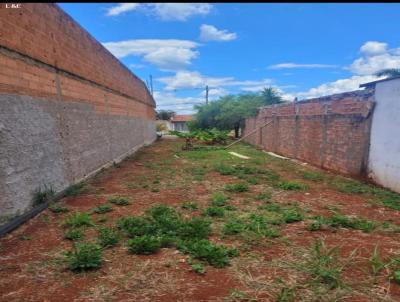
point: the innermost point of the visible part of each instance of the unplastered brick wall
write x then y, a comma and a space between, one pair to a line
67, 106
331, 132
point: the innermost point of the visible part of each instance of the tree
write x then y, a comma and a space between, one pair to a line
165, 115
230, 111
270, 96
389, 72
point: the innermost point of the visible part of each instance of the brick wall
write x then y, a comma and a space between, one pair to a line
67, 106
331, 132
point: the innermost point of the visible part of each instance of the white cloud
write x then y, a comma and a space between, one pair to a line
164, 11
194, 79
121, 8
338, 86
295, 65
168, 54
375, 57
373, 47
211, 33
182, 105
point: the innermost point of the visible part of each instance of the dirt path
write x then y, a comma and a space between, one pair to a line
269, 267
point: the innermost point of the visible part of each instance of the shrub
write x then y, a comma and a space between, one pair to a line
58, 208
166, 219
119, 201
219, 200
292, 186
84, 256
214, 212
108, 237
189, 206
101, 209
42, 195
136, 226
237, 188
73, 234
144, 245
215, 255
78, 219
195, 228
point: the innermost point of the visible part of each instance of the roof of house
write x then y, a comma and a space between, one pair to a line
371, 84
182, 118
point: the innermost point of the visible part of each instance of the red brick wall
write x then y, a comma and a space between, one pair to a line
330, 132
48, 36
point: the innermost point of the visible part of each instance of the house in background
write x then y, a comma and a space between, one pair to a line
179, 122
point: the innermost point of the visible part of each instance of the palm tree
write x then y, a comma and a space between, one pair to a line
389, 73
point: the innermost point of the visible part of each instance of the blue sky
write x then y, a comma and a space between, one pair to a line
303, 50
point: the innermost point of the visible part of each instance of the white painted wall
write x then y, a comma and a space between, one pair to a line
384, 154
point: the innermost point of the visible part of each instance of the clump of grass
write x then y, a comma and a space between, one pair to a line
215, 255
323, 265
194, 228
84, 256
144, 245
119, 201
136, 226
78, 219
101, 209
108, 237
73, 234
199, 268
259, 225
189, 205
292, 215
237, 188
286, 294
314, 226
224, 169
75, 189
396, 276
387, 198
214, 211
292, 186
58, 208
266, 196
233, 227
218, 200
338, 220
313, 176
41, 195
376, 262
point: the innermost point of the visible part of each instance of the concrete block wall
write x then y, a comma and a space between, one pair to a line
67, 106
331, 132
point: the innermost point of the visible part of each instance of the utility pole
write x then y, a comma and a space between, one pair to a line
151, 84
206, 94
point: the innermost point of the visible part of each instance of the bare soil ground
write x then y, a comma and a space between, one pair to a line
302, 234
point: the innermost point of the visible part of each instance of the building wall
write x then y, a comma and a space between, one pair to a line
384, 155
330, 132
67, 106
180, 126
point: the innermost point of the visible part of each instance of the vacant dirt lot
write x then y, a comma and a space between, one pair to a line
262, 229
